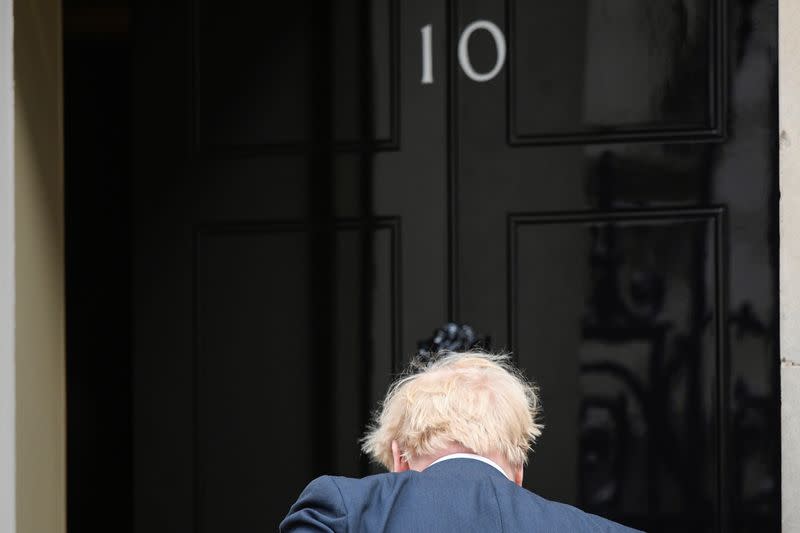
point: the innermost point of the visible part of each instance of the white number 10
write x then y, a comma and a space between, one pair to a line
463, 51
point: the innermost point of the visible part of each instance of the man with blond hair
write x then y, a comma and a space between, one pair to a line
455, 432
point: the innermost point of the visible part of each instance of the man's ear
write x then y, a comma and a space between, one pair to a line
518, 472
399, 463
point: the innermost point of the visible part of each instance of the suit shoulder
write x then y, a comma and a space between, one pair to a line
568, 518
319, 507
361, 494
353, 486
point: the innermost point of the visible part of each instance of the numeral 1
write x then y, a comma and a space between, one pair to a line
427, 55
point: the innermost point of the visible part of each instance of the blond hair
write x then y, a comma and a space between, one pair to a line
474, 399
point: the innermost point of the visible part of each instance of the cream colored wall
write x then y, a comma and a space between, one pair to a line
39, 260
789, 69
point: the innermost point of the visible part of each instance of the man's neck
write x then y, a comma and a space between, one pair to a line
422, 462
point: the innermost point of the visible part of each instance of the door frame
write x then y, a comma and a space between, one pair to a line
7, 381
789, 292
32, 347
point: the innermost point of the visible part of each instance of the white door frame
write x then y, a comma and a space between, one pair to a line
7, 288
789, 95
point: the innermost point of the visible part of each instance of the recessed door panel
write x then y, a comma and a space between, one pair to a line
647, 69
639, 344
253, 74
251, 366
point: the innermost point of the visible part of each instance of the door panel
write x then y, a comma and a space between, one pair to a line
639, 439
309, 204
252, 323
627, 70
251, 385
241, 49
238, 53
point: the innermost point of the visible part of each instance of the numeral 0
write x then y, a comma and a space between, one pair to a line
463, 51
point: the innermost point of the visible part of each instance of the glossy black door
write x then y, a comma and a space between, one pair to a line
590, 184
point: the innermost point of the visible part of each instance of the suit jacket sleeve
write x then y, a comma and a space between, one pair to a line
320, 508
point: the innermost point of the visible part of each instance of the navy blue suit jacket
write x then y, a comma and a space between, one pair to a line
458, 495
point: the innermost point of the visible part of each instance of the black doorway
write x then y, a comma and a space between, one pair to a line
97, 86
268, 205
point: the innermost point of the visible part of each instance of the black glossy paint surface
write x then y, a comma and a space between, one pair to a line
306, 209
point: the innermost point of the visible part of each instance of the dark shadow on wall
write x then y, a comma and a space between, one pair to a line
97, 235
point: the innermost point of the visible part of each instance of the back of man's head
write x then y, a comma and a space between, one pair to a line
474, 400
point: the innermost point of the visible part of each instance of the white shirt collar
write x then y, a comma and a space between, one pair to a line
470, 456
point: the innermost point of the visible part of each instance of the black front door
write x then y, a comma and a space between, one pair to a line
592, 185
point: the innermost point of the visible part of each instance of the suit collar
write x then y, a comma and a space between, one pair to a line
471, 456
465, 467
